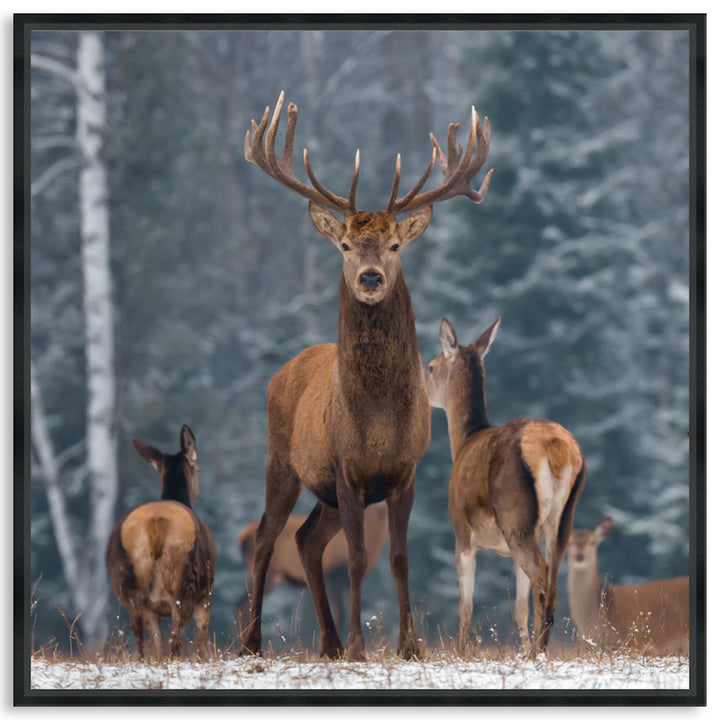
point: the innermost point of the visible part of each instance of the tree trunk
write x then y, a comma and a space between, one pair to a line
98, 309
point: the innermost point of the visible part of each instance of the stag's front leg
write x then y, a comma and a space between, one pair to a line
321, 526
281, 493
351, 507
399, 508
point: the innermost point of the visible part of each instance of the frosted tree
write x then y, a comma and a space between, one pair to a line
82, 553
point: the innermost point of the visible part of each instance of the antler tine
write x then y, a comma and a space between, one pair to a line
452, 154
477, 196
263, 155
483, 141
405, 200
285, 161
272, 132
336, 202
396, 184
353, 184
442, 160
253, 150
458, 169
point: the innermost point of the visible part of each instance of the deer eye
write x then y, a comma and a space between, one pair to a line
345, 247
395, 247
430, 369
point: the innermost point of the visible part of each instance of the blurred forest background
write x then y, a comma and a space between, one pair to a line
170, 280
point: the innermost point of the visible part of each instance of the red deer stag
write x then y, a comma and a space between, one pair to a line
653, 617
286, 565
510, 488
161, 557
350, 421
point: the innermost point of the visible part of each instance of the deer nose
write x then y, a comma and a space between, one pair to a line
579, 557
371, 280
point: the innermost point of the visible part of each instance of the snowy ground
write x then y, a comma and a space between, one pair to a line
615, 673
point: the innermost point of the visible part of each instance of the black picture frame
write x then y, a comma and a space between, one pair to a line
695, 25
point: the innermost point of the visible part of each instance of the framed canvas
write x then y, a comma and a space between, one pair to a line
162, 280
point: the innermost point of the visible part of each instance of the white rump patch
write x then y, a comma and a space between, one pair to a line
552, 492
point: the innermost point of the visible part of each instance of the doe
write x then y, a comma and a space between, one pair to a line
510, 487
652, 617
161, 557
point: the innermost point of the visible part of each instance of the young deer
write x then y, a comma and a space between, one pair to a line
286, 565
351, 421
510, 488
161, 557
653, 617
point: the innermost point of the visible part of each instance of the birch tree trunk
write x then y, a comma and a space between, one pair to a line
83, 557
98, 309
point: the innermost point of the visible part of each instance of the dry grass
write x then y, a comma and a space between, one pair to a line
119, 649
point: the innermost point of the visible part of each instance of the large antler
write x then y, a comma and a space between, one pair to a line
263, 155
458, 170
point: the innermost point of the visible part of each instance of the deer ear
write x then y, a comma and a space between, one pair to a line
326, 223
187, 444
483, 343
448, 340
604, 528
149, 454
414, 225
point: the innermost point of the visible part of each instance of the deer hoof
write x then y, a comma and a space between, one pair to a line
331, 649
355, 651
333, 652
410, 651
357, 655
251, 646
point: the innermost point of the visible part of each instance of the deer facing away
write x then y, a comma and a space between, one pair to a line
652, 617
351, 420
286, 565
510, 487
161, 557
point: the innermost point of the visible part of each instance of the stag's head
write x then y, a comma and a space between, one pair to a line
371, 242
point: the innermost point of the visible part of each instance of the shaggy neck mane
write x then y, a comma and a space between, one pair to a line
377, 345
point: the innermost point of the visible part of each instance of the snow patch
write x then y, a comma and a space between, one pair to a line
616, 673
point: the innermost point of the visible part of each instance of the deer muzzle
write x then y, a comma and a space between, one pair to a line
371, 280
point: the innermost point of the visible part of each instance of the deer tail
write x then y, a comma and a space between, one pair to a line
157, 530
558, 455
